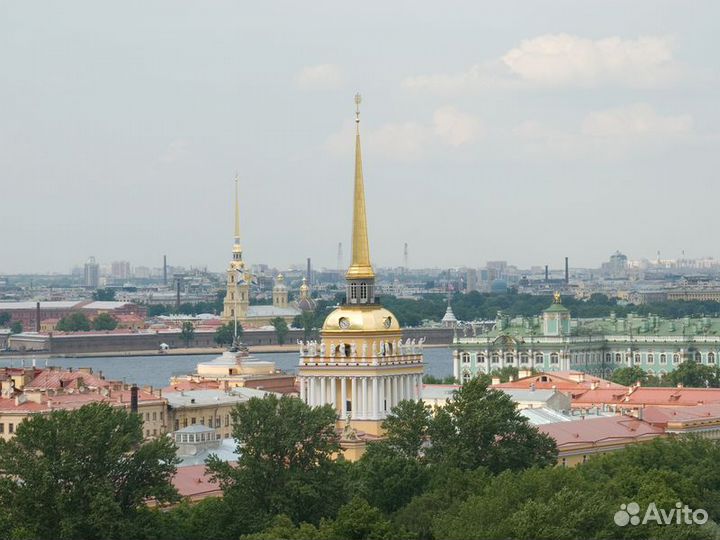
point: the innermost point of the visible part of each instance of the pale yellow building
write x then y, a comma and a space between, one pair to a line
360, 366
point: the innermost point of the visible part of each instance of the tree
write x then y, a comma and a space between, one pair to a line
83, 474
105, 321
306, 321
75, 322
481, 427
628, 376
225, 334
431, 379
16, 327
187, 333
286, 463
106, 295
4, 318
281, 329
406, 427
692, 374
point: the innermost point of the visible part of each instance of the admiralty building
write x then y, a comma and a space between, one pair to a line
557, 342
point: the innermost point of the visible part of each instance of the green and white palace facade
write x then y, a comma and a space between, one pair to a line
557, 342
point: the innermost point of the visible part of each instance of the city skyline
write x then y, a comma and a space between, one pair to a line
560, 132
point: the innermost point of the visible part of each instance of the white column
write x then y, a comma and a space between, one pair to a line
416, 390
355, 401
364, 397
420, 386
375, 398
395, 392
343, 396
382, 397
323, 392
456, 365
333, 392
311, 391
303, 397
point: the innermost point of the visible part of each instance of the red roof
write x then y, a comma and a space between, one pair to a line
592, 431
57, 378
562, 381
661, 416
646, 395
74, 400
193, 482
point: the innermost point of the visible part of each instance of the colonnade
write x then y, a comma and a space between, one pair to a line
365, 398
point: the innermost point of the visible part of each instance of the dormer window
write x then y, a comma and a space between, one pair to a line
363, 291
353, 291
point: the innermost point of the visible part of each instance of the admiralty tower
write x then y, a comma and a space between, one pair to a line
360, 366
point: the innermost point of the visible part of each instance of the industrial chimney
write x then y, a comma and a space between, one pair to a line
134, 398
567, 272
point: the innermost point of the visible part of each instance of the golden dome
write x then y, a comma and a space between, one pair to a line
361, 319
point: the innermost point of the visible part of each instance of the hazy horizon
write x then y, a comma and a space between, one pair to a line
510, 131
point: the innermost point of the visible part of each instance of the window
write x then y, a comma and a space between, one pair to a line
608, 357
465, 358
185, 422
584, 458
227, 420
539, 358
495, 359
192, 421
147, 416
676, 358
523, 358
509, 358
162, 416
217, 421
177, 425
563, 463
481, 358
711, 358
353, 291
650, 358
154, 416
202, 420
363, 291
554, 358
154, 432
663, 358
11, 427
637, 358
2, 428
618, 358
698, 357
466, 376
210, 422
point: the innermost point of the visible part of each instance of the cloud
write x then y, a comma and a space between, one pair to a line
609, 133
564, 60
408, 141
320, 77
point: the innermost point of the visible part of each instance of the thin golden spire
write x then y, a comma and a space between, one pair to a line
360, 267
236, 243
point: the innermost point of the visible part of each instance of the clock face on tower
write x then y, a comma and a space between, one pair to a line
387, 322
344, 323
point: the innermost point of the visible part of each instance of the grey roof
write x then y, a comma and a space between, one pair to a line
226, 452
541, 415
6, 306
518, 394
190, 398
195, 428
271, 311
105, 304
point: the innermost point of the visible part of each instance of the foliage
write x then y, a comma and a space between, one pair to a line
693, 374
4, 318
306, 321
105, 321
106, 295
75, 322
628, 376
480, 427
406, 427
281, 329
286, 463
225, 334
431, 379
16, 327
83, 474
187, 332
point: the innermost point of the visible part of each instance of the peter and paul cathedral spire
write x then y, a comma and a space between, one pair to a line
237, 248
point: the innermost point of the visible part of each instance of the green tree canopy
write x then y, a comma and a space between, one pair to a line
695, 375
286, 463
187, 333
16, 327
225, 334
83, 474
75, 322
105, 321
4, 318
104, 294
630, 375
281, 329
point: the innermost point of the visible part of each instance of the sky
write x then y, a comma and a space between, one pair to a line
492, 130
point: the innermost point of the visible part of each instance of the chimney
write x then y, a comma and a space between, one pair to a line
165, 270
177, 295
309, 271
547, 274
567, 272
37, 317
134, 398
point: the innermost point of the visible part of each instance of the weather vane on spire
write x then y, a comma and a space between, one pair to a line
358, 100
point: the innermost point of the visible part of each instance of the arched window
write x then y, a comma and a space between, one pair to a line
608, 357
353, 291
539, 359
554, 358
637, 358
495, 358
698, 357
466, 376
363, 291
465, 358
676, 358
663, 358
618, 358
481, 358
524, 358
650, 358
711, 358
509, 358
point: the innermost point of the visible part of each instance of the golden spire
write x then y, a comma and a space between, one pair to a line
236, 244
360, 268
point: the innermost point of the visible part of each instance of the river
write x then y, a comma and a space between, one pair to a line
157, 370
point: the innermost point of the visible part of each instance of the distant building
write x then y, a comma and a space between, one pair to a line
120, 270
92, 274
556, 342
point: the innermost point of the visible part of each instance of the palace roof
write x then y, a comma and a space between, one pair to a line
639, 396
600, 430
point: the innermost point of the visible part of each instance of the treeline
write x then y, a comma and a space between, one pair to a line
474, 469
